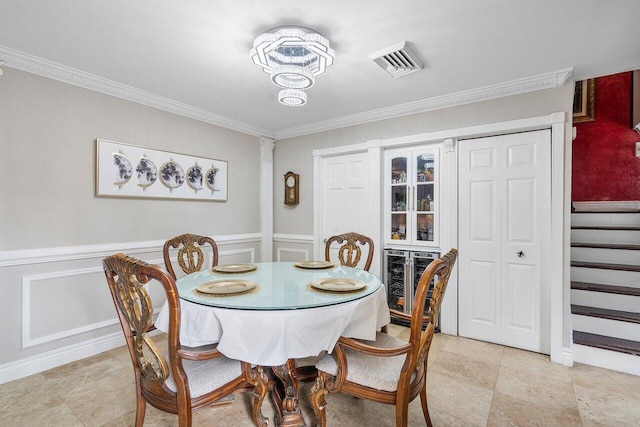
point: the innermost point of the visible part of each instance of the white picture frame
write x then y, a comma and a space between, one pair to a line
124, 170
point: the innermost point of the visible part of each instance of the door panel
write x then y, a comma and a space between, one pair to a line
504, 203
481, 201
484, 307
345, 193
520, 210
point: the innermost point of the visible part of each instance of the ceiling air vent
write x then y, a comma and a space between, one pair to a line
397, 60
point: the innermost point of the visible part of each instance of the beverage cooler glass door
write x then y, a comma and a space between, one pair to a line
420, 261
396, 273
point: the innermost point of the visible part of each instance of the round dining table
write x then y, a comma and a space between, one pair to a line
276, 312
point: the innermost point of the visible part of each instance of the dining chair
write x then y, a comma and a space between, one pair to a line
388, 370
350, 252
182, 378
190, 254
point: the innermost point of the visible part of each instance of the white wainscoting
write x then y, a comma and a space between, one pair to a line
293, 247
59, 303
28, 282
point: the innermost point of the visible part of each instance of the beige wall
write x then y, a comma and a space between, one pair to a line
295, 154
48, 133
54, 231
60, 307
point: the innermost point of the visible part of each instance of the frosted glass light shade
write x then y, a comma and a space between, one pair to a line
292, 97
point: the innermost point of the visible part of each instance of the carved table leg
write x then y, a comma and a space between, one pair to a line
285, 395
261, 383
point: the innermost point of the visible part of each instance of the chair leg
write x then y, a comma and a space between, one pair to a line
261, 383
402, 414
318, 402
184, 415
141, 408
425, 407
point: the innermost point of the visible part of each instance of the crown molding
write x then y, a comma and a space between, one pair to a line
32, 64
35, 65
514, 87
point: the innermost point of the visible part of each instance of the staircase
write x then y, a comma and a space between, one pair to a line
605, 289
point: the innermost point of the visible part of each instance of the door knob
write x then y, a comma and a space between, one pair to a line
520, 254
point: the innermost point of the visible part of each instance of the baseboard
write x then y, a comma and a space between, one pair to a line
567, 357
52, 359
608, 206
606, 359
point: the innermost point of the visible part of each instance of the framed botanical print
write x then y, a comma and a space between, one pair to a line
124, 170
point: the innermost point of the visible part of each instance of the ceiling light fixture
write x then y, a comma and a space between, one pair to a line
293, 56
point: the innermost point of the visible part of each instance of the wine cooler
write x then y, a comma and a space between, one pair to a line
402, 271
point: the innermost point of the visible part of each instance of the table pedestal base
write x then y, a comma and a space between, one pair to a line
285, 395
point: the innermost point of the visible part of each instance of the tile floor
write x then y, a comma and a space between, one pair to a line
471, 383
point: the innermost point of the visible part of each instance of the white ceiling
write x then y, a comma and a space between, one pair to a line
197, 52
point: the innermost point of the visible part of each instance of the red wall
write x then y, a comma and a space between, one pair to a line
604, 162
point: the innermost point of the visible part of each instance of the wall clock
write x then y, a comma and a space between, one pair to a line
291, 188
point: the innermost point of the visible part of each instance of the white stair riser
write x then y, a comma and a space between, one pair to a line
604, 300
608, 256
629, 237
627, 219
613, 360
606, 327
610, 277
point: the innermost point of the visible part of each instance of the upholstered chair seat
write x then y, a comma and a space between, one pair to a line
205, 375
379, 373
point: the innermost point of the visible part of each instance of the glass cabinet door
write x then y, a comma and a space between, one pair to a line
411, 180
424, 198
398, 200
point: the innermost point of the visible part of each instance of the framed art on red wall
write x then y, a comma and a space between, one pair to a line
584, 97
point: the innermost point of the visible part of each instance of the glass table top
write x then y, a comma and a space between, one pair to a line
280, 286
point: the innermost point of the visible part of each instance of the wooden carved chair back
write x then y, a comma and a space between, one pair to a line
126, 277
439, 270
190, 255
162, 379
350, 252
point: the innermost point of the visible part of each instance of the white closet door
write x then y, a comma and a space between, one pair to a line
345, 195
505, 202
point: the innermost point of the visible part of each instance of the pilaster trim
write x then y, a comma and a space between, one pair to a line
266, 148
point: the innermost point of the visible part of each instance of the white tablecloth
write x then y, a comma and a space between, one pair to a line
269, 338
